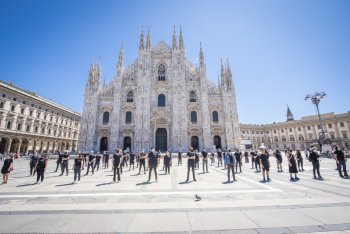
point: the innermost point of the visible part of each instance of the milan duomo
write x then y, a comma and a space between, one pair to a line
160, 100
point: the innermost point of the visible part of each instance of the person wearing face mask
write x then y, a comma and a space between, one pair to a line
190, 164
313, 157
265, 163
341, 161
153, 160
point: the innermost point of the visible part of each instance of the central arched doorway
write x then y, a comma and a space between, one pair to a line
217, 142
195, 142
103, 144
161, 139
127, 143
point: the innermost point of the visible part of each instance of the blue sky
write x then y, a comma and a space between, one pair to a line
279, 51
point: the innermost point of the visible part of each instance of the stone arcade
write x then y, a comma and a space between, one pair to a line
160, 100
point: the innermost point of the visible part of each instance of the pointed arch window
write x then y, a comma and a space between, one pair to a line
193, 117
105, 118
161, 100
161, 72
193, 96
128, 117
130, 97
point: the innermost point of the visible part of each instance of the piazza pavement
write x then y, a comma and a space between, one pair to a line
96, 205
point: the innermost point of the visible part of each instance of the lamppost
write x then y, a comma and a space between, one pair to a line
315, 99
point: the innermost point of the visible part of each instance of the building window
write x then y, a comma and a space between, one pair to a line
318, 126
308, 128
215, 116
161, 72
275, 139
130, 97
301, 138
193, 117
12, 108
22, 111
284, 139
332, 136
128, 117
30, 113
345, 136
43, 130
290, 130
51, 118
8, 125
28, 128
38, 115
310, 136
274, 131
36, 129
341, 124
292, 138
161, 100
330, 126
1, 105
282, 130
19, 127
299, 129
193, 96
49, 131
105, 117
243, 132
293, 146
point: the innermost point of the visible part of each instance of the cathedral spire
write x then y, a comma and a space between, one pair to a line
201, 57
181, 41
142, 44
174, 40
121, 57
289, 114
148, 42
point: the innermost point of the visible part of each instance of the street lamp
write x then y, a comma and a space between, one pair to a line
315, 99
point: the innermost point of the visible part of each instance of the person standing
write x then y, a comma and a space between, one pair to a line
65, 160
153, 160
238, 156
246, 157
40, 168
142, 162
252, 158
196, 159
306, 152
212, 159
167, 159
78, 164
117, 160
313, 157
6, 169
179, 158
90, 163
33, 160
292, 166
105, 159
230, 161
59, 162
257, 162
205, 161
265, 164
300, 160
279, 160
341, 161
190, 164
219, 157
132, 161
97, 161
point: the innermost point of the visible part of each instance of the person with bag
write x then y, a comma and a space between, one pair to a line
7, 168
40, 168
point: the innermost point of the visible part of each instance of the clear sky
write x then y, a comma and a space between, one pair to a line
279, 51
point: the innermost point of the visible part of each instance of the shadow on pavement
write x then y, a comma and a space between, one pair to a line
60, 185
24, 185
104, 184
144, 183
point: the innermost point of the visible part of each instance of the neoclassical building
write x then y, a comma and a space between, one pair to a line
160, 100
298, 133
31, 123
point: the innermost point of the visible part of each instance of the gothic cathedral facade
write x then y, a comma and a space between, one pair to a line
160, 100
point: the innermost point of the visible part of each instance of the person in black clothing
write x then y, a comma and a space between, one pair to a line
40, 167
132, 161
97, 161
212, 159
78, 164
33, 160
205, 161
142, 162
257, 162
219, 157
341, 161
90, 163
105, 159
153, 162
117, 159
65, 160
300, 160
179, 158
190, 164
59, 162
279, 160
167, 159
238, 156
196, 159
265, 163
292, 166
252, 158
7, 167
125, 160
85, 160
313, 157
230, 161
